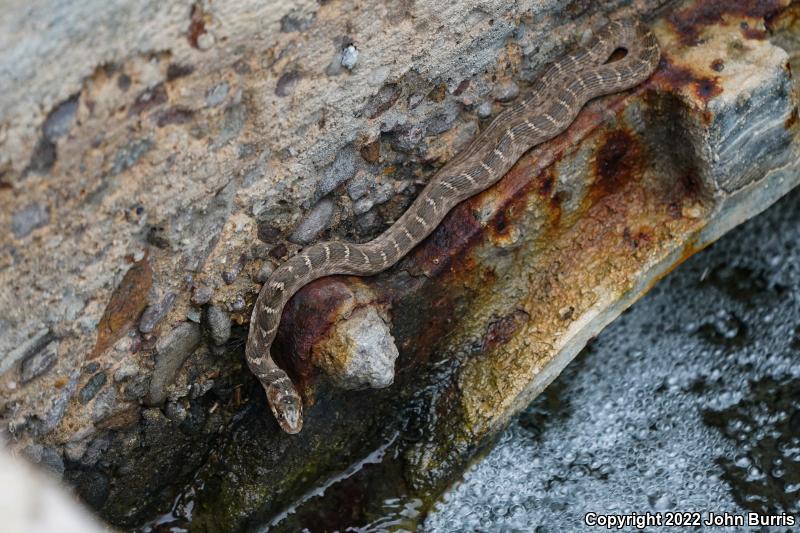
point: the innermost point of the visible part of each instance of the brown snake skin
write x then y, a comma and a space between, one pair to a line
552, 106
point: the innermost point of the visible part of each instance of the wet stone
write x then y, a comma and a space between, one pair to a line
92, 387
38, 362
505, 92
219, 324
155, 313
61, 119
216, 94
29, 218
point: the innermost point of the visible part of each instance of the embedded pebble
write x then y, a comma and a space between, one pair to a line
287, 82
341, 170
362, 206
313, 223
484, 110
232, 123
91, 388
104, 404
443, 121
201, 294
29, 218
230, 274
361, 352
172, 350
359, 186
406, 138
125, 371
153, 314
349, 57
505, 92
216, 94
38, 362
238, 303
264, 272
61, 119
219, 324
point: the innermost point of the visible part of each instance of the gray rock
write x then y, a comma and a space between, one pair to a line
216, 94
349, 57
153, 314
136, 388
407, 138
362, 352
104, 404
172, 350
126, 371
313, 223
219, 324
264, 272
383, 193
363, 205
26, 348
38, 362
484, 110
46, 457
287, 83
128, 155
29, 218
234, 268
443, 121
201, 294
505, 92
61, 119
342, 169
359, 186
232, 123
92, 387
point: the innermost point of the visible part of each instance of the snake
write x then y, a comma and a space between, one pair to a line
554, 101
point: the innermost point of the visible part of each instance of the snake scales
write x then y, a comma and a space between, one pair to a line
552, 106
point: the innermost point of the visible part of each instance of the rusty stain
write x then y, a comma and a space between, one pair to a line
689, 22
124, 307
197, 24
501, 330
671, 76
307, 319
792, 119
617, 162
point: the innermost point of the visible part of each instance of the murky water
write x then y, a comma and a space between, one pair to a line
689, 402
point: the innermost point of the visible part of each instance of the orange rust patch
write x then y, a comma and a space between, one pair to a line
126, 304
618, 161
670, 76
307, 318
689, 22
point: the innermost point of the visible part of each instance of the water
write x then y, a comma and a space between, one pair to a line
689, 402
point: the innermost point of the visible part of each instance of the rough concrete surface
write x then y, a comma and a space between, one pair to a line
158, 159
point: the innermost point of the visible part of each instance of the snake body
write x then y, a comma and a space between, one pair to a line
552, 106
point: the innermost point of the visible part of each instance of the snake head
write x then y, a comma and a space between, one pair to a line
286, 405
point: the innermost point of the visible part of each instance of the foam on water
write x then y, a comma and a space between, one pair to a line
689, 402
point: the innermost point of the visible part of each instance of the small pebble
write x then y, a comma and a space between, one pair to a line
29, 218
484, 110
60, 120
216, 94
505, 92
264, 272
238, 304
235, 267
349, 57
219, 324
38, 362
362, 206
92, 387
313, 223
155, 313
201, 294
